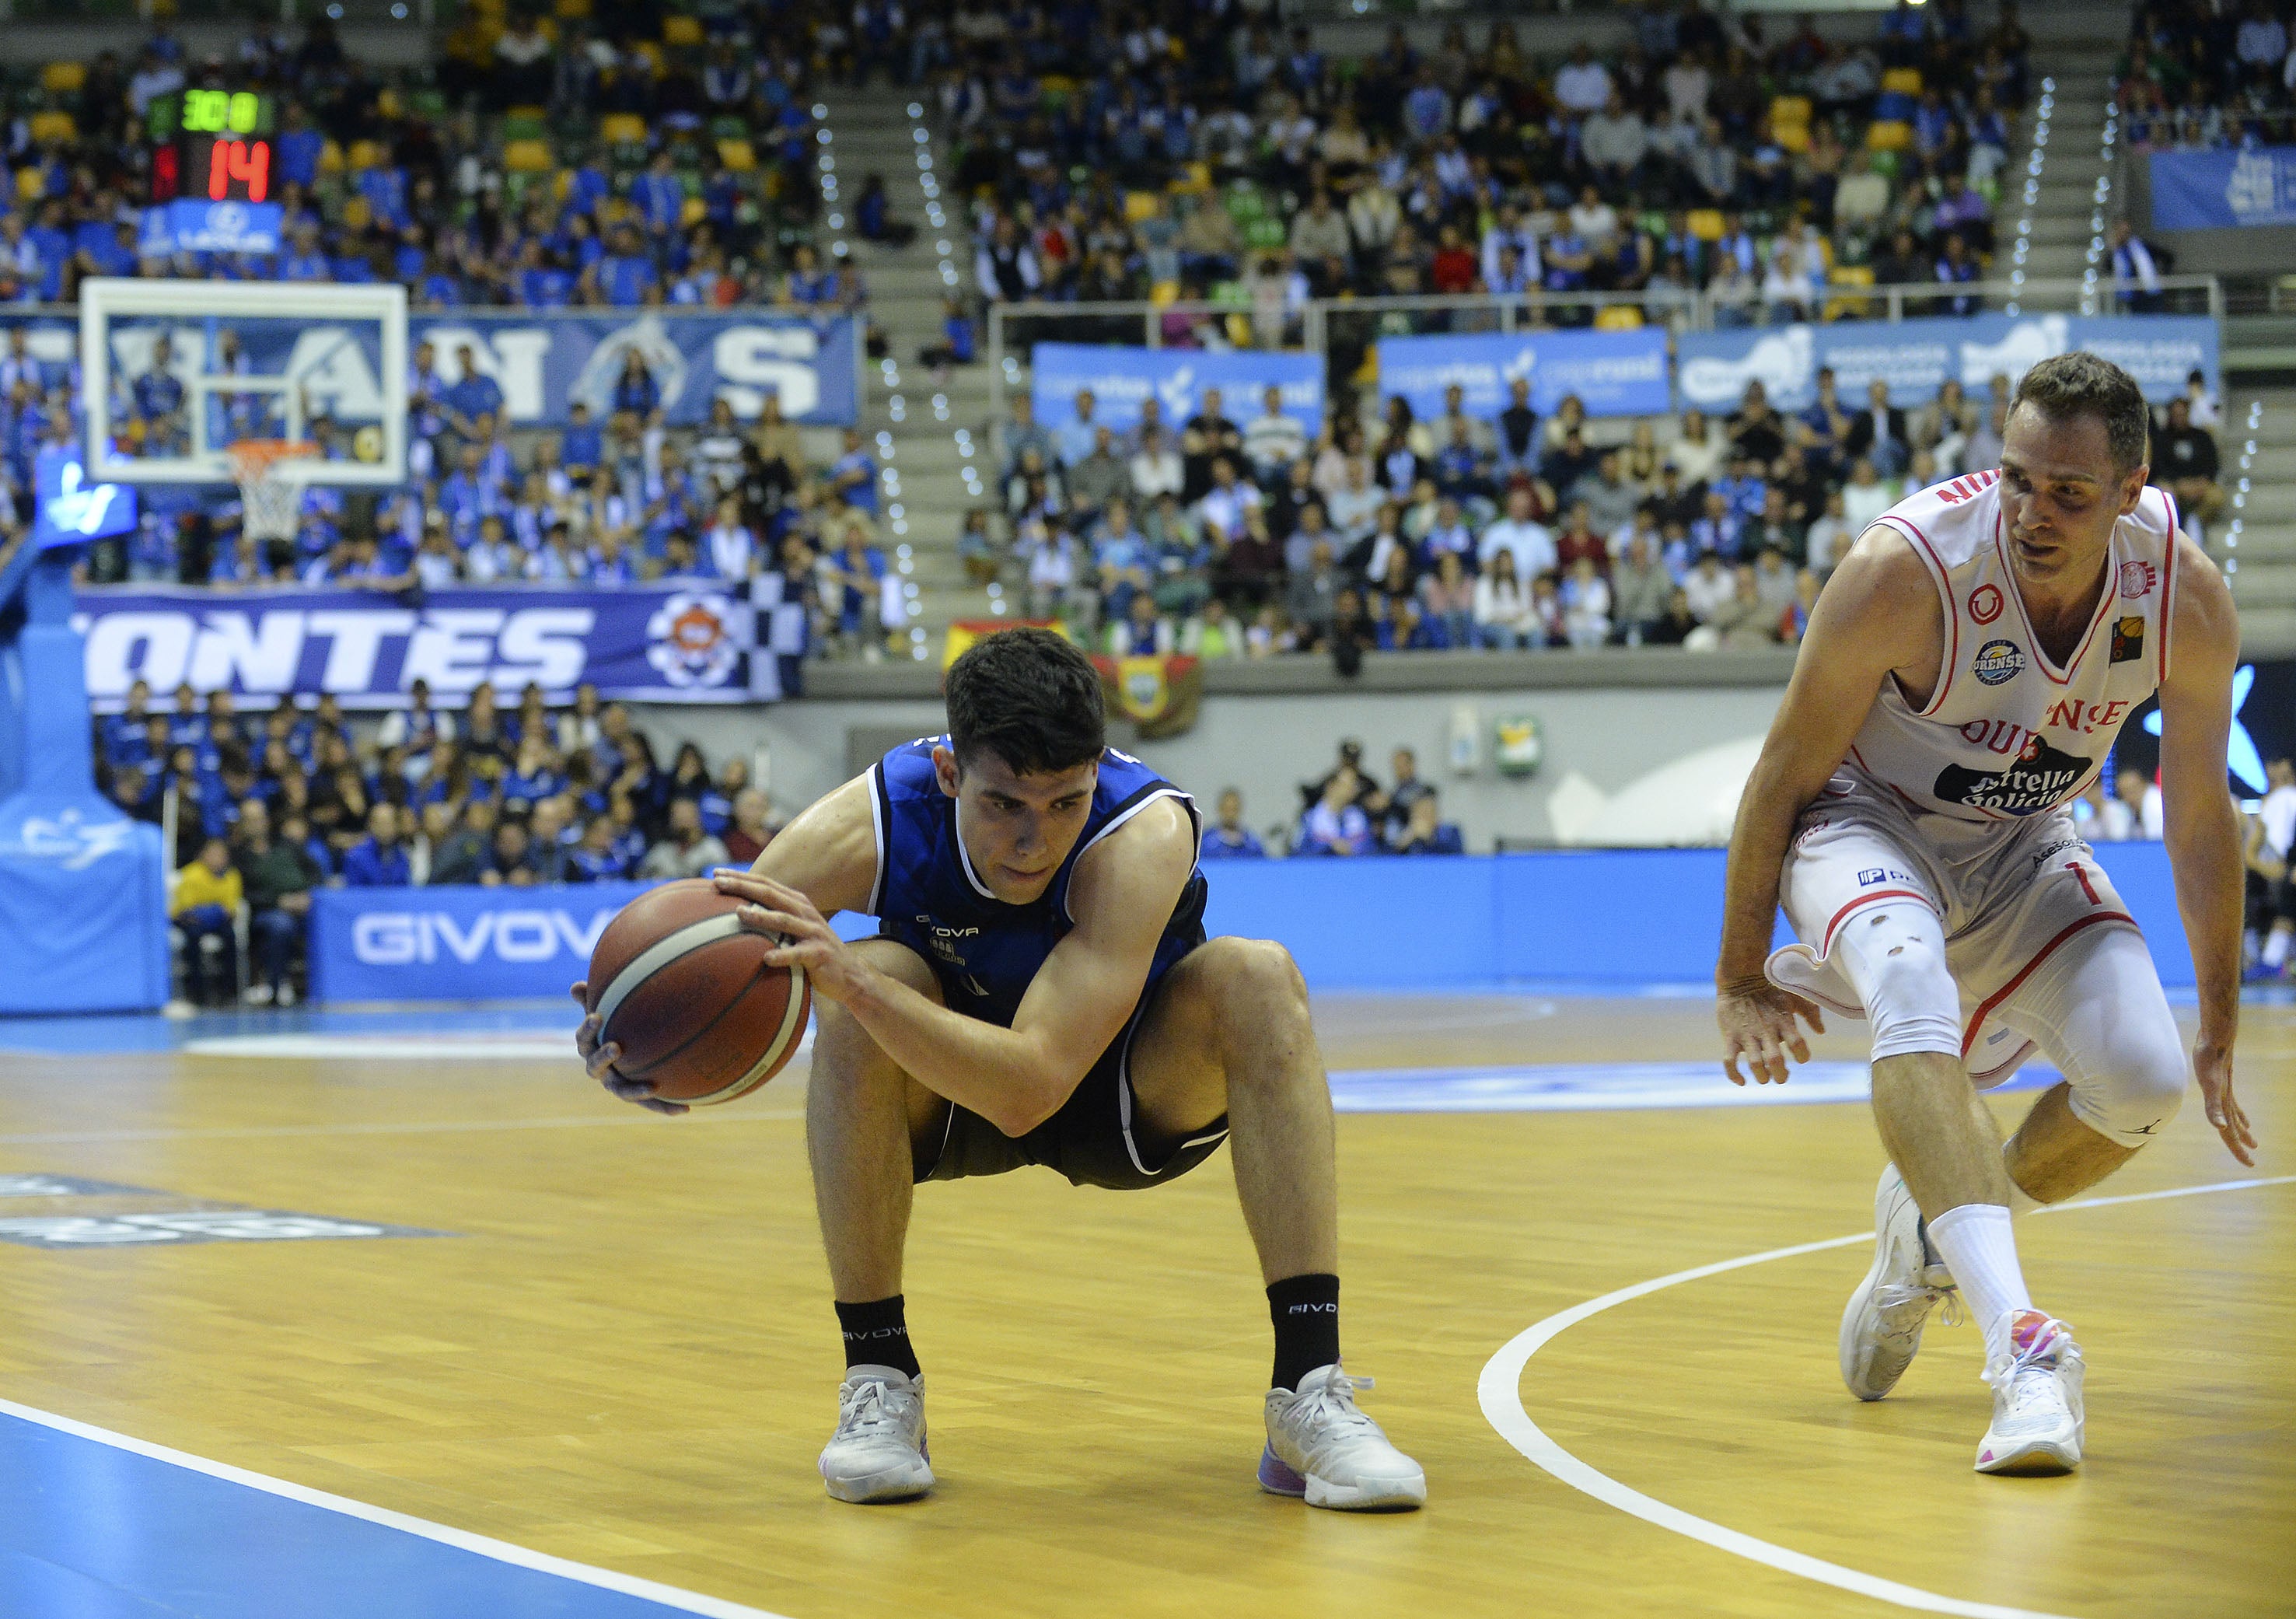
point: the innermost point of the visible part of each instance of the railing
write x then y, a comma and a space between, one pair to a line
1342, 328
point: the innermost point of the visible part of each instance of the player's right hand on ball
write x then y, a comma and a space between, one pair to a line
600, 1061
1757, 1020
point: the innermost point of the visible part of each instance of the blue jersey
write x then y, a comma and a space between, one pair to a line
985, 951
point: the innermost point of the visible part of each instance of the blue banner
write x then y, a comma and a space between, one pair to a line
188, 226
545, 362
1915, 357
542, 360
457, 943
1614, 373
2198, 191
1121, 379
691, 640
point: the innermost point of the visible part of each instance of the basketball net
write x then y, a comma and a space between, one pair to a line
269, 500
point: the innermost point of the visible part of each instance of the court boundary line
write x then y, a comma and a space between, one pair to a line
444, 1534
1499, 1391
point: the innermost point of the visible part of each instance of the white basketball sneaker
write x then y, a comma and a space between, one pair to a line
1320, 1446
1882, 1326
2037, 1418
878, 1453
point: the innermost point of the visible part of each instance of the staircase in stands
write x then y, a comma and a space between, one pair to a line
911, 422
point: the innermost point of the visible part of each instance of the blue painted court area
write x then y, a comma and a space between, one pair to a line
100, 1526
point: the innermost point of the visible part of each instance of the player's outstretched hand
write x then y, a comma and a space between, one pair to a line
2212, 1067
1756, 1019
600, 1061
807, 940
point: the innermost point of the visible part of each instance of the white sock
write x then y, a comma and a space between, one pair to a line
2275, 948
1980, 1250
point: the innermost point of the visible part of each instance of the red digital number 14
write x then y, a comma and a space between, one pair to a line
248, 161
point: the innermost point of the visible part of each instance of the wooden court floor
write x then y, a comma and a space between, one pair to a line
621, 1351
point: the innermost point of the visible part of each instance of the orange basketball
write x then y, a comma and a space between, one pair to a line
685, 991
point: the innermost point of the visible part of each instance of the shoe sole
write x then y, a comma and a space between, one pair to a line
1856, 1306
1278, 1478
2034, 1459
902, 1483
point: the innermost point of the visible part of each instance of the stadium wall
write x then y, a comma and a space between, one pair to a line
1605, 919
1599, 745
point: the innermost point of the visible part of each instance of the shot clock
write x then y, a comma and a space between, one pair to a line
212, 146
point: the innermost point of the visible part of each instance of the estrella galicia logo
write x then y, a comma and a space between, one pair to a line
1998, 660
2042, 778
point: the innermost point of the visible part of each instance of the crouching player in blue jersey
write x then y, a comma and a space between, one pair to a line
1042, 993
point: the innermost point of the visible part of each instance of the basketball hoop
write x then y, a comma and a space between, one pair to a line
269, 494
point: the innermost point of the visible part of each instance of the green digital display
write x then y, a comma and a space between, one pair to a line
209, 113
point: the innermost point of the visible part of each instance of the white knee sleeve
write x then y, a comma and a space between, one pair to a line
2096, 1006
1893, 954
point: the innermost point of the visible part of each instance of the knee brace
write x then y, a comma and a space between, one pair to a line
2118, 1045
1893, 954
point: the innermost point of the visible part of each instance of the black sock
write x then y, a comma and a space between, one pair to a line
1306, 1311
877, 1334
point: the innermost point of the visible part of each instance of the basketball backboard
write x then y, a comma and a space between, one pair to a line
242, 359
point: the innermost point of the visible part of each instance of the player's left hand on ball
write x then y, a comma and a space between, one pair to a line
2212, 1067
1757, 1020
807, 940
600, 1060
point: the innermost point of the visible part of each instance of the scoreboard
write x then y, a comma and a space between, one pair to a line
211, 145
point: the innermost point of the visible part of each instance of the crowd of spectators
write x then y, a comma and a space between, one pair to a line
2198, 74
267, 807
1223, 155
616, 503
1229, 538
1343, 812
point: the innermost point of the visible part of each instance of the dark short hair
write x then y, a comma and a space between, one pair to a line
1029, 696
2079, 384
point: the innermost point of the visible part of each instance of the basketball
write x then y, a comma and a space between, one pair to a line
685, 991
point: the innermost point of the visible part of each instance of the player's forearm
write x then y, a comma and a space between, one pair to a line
1758, 850
1007, 1077
2212, 885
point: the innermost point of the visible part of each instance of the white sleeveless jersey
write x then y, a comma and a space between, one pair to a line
2007, 733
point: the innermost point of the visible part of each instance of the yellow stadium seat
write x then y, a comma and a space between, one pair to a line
369, 154
1889, 135
622, 129
331, 158
1195, 181
53, 126
387, 103
527, 157
572, 11
1139, 205
1618, 317
1239, 330
693, 211
1164, 292
358, 214
738, 156
1790, 109
1793, 137
678, 30
1706, 224
1057, 84
532, 113
1841, 308
31, 183
1903, 81
63, 78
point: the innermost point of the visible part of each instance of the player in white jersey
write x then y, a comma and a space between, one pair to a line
1964, 676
